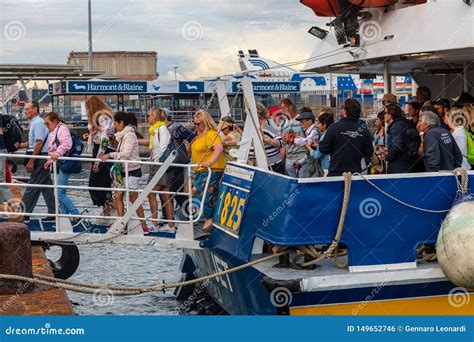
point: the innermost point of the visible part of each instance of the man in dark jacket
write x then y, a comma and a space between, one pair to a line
348, 141
403, 141
439, 147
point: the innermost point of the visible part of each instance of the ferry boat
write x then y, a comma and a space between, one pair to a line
379, 223
389, 217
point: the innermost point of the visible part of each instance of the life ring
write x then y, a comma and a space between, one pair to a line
68, 262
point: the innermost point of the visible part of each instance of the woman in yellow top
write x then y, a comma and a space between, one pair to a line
206, 151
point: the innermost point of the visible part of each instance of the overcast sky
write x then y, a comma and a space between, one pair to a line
201, 37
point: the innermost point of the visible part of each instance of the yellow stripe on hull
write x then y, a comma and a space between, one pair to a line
438, 305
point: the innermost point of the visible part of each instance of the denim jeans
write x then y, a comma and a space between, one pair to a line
65, 204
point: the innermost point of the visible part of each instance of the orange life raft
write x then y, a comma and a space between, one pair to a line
330, 8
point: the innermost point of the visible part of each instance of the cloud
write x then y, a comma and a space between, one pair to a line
53, 28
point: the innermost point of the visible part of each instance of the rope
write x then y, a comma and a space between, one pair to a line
400, 201
128, 291
311, 250
463, 186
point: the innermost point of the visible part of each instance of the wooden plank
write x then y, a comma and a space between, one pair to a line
42, 300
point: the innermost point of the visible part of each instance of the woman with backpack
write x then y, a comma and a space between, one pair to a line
59, 144
160, 145
127, 149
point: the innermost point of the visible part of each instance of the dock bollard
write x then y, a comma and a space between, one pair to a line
15, 257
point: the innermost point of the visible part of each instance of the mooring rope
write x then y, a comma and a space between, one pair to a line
311, 251
87, 288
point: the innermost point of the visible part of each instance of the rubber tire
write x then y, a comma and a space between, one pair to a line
67, 264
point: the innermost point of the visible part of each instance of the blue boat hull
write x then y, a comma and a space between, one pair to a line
379, 232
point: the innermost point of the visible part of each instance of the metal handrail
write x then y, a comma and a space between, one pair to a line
55, 186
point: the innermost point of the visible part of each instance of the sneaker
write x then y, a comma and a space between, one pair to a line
102, 221
48, 219
76, 221
167, 229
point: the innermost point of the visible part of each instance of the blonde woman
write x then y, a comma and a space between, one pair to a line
100, 136
160, 145
207, 151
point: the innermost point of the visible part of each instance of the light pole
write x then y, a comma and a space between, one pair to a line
90, 65
175, 74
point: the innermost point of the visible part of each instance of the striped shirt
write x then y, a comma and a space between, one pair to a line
272, 152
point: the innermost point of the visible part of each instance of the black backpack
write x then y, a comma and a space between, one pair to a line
12, 132
71, 166
413, 140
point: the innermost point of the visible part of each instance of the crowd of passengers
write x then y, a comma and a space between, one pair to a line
431, 136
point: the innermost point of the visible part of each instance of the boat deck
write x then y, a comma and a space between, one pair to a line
329, 276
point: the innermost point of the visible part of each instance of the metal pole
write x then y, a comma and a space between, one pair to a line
465, 78
175, 73
90, 65
386, 79
56, 197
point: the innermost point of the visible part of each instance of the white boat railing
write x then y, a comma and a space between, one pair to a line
63, 224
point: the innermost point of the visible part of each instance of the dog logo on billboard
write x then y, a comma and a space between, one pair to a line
191, 87
78, 87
